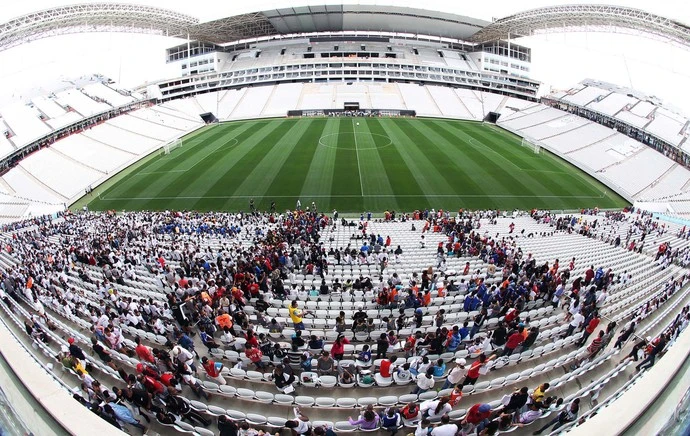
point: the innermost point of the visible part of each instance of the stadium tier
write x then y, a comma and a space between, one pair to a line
625, 287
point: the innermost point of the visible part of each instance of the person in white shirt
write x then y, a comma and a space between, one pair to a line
446, 428
577, 321
85, 378
425, 381
184, 356
456, 375
158, 327
422, 427
601, 298
433, 409
300, 424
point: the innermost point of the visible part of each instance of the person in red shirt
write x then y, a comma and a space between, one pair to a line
151, 384
386, 365
213, 370
143, 352
410, 344
426, 299
251, 339
514, 340
477, 414
168, 379
455, 396
591, 326
147, 370
473, 371
410, 411
589, 275
511, 315
254, 354
338, 348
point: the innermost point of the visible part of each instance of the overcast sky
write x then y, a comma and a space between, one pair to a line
559, 60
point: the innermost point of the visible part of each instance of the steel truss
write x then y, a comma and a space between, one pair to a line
93, 17
237, 27
584, 17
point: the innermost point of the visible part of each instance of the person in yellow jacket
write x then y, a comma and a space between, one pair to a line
296, 315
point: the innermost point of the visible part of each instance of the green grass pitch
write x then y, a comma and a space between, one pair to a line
379, 164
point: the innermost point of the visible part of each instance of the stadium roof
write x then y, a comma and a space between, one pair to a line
93, 17
584, 17
336, 18
98, 17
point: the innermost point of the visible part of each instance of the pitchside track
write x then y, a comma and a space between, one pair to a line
381, 163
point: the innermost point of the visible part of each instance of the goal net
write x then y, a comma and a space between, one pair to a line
534, 147
171, 146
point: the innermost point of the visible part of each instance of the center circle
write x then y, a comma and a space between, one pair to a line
337, 140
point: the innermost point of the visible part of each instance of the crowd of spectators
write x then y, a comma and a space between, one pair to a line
208, 286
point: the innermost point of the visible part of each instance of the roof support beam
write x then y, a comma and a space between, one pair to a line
584, 17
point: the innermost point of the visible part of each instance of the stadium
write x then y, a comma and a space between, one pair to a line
340, 217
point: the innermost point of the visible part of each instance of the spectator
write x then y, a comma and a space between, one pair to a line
213, 370
517, 400
226, 426
391, 420
143, 352
425, 381
283, 380
368, 420
446, 428
325, 365
123, 414
255, 355
591, 326
456, 374
474, 371
577, 321
514, 340
476, 415
338, 347
300, 425
656, 348
433, 409
539, 393
565, 416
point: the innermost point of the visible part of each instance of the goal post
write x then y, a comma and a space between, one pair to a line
536, 148
171, 146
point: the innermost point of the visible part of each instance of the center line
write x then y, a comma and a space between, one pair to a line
359, 169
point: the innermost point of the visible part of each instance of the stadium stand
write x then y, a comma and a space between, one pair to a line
644, 118
618, 159
6, 147
24, 123
101, 91
419, 98
81, 103
638, 289
282, 97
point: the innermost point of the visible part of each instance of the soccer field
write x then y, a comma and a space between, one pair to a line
379, 164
